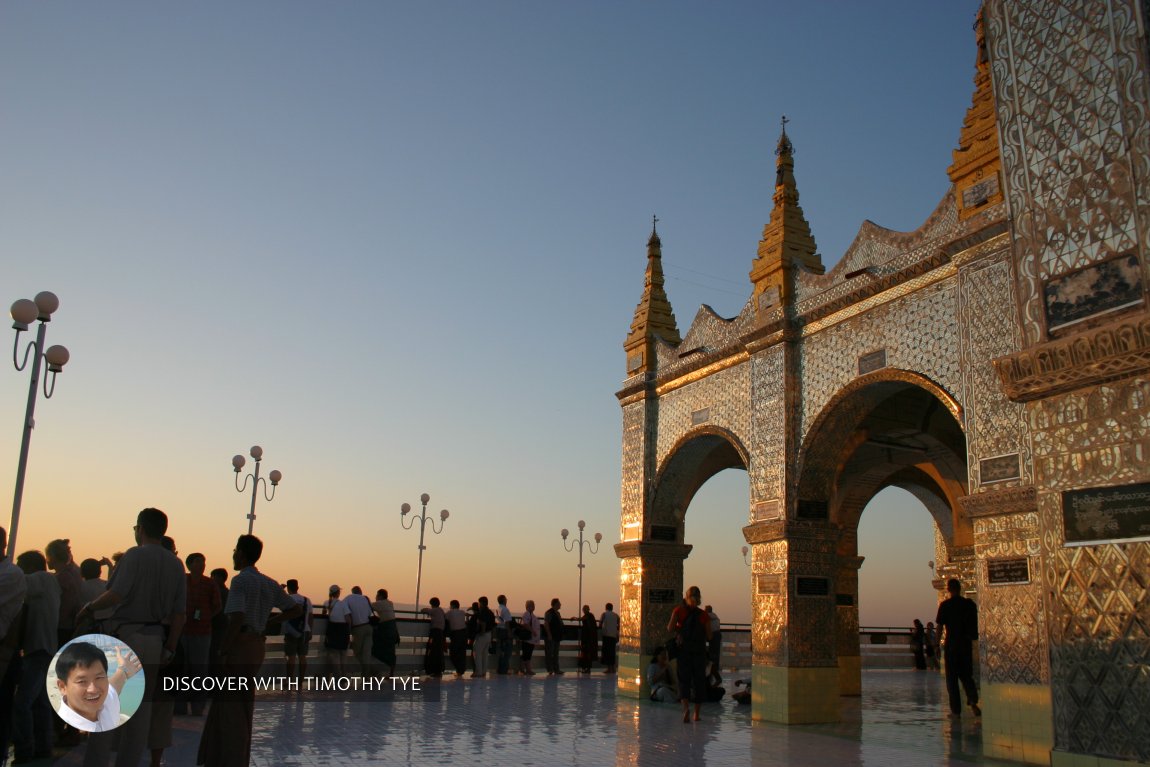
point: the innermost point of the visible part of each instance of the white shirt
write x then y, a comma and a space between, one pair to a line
305, 605
532, 622
108, 719
337, 613
610, 624
360, 608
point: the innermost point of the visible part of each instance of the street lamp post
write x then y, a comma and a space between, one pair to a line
593, 548
746, 551
274, 475
24, 313
404, 510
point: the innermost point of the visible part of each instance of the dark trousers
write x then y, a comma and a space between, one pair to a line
459, 650
960, 668
692, 676
551, 655
227, 737
433, 663
503, 638
7, 697
32, 718
609, 644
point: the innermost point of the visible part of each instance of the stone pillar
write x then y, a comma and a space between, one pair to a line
1017, 717
651, 587
847, 609
795, 676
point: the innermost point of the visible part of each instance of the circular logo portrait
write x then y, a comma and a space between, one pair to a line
95, 683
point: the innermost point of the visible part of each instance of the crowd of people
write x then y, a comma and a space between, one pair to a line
179, 621
174, 619
363, 635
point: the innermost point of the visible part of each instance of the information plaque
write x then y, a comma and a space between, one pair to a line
1106, 514
1000, 572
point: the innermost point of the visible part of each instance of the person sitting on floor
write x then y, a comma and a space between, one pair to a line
660, 678
742, 697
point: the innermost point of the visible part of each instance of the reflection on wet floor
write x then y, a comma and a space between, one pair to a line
899, 720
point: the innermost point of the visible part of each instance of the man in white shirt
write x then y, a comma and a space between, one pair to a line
338, 632
359, 621
609, 628
90, 700
503, 635
297, 632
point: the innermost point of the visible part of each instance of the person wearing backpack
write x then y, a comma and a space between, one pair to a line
692, 628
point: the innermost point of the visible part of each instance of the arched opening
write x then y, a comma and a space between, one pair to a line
892, 429
697, 457
897, 573
701, 498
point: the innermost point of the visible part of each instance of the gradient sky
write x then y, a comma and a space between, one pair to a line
399, 245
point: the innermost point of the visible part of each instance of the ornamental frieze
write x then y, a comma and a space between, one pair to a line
1116, 350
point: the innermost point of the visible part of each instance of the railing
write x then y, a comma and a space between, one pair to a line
879, 647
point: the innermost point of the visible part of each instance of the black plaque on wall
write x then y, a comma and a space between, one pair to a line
662, 596
813, 510
664, 533
1096, 289
845, 600
812, 587
1000, 572
1106, 514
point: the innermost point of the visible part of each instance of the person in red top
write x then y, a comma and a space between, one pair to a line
692, 628
203, 605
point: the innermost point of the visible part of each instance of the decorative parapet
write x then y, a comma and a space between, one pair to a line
1105, 353
1006, 500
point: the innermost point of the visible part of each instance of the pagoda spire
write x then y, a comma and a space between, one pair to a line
653, 316
977, 165
787, 240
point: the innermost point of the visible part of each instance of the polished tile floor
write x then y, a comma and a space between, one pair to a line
899, 720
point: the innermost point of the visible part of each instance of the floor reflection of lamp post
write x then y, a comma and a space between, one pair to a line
24, 313
594, 549
274, 475
404, 510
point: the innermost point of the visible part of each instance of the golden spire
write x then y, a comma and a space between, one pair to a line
977, 164
653, 316
787, 238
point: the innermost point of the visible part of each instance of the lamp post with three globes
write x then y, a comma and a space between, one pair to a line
404, 510
593, 548
24, 313
274, 475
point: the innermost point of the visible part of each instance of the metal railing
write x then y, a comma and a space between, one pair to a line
879, 647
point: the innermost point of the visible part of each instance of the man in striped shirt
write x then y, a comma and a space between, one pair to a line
227, 736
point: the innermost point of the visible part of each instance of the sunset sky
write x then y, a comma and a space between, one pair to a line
399, 246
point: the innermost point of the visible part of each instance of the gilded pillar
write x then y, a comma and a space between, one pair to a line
651, 586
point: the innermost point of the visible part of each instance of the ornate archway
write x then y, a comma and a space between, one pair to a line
993, 362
